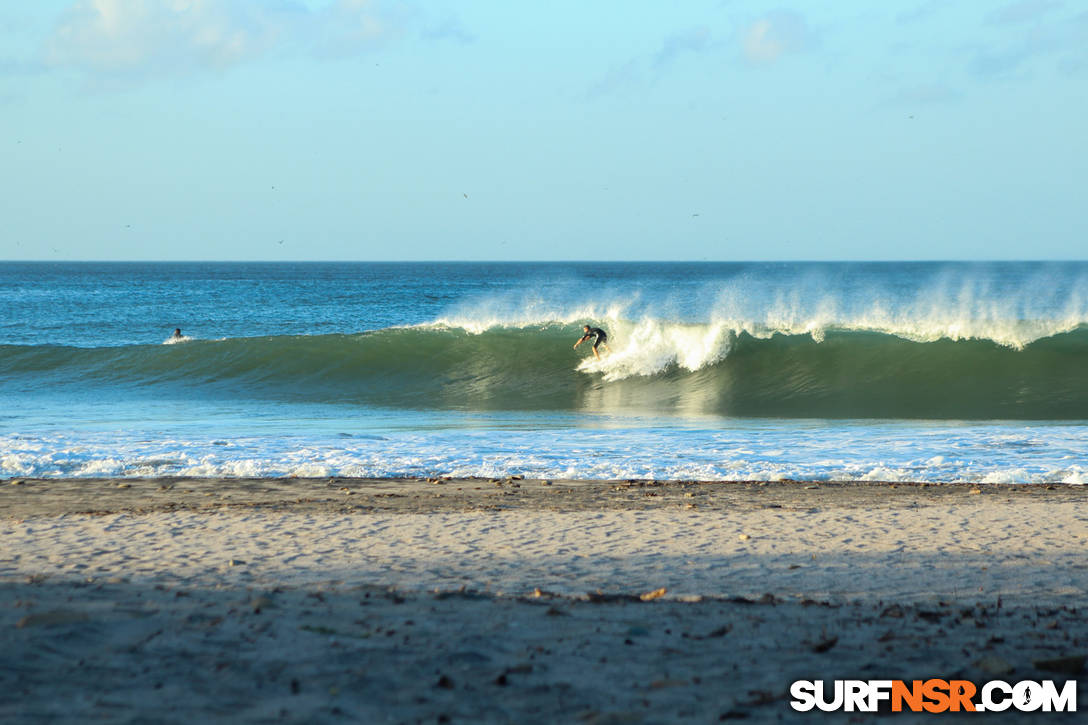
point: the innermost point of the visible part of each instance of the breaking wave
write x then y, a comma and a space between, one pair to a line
879, 367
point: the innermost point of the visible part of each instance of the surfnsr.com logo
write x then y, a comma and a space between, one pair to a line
933, 696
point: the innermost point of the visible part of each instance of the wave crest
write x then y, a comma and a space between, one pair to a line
652, 367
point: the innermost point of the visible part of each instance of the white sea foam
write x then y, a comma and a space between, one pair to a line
991, 453
650, 346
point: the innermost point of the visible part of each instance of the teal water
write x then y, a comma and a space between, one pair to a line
911, 371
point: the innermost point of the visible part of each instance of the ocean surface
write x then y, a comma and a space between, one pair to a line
825, 371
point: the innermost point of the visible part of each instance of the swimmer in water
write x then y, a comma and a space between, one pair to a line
600, 337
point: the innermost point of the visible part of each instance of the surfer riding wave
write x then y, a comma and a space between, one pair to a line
600, 337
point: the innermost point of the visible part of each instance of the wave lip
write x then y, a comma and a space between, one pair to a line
652, 366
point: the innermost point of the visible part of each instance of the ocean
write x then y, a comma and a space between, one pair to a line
937, 372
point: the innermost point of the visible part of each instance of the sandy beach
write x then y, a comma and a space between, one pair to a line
510, 600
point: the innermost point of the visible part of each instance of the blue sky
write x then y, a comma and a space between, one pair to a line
354, 130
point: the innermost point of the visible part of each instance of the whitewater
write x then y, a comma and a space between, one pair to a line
847, 371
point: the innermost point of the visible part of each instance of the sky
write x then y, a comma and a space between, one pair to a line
567, 130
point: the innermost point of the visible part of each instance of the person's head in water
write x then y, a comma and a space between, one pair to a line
177, 332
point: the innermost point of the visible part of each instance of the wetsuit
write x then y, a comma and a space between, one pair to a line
598, 336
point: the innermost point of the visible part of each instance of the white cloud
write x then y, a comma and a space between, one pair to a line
774, 35
140, 36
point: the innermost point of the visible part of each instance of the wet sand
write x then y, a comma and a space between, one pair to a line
338, 600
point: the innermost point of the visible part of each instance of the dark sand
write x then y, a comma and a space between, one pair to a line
103, 620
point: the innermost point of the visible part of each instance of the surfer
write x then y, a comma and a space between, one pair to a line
177, 333
600, 337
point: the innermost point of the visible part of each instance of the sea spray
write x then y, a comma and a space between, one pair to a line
650, 366
650, 347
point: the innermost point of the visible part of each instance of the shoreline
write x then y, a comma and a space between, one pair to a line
509, 600
29, 496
